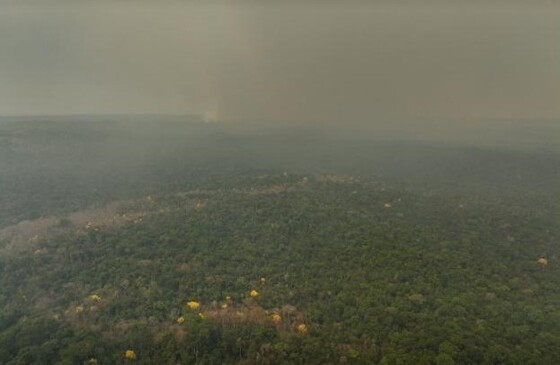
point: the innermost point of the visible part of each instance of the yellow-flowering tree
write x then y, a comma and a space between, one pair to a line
95, 297
130, 354
193, 304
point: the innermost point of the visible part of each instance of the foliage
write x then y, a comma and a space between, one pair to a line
358, 270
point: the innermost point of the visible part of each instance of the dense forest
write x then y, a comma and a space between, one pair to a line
180, 242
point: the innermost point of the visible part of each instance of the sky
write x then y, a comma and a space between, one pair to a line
291, 61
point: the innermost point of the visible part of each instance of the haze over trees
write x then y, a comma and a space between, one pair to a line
279, 182
222, 245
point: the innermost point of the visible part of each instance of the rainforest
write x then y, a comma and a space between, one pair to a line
168, 240
267, 182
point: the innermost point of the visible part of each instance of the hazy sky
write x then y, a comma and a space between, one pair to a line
291, 61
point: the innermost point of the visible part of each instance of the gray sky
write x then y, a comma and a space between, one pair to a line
296, 61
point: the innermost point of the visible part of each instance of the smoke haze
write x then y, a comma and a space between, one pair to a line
305, 62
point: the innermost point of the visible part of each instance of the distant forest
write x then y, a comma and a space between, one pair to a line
180, 242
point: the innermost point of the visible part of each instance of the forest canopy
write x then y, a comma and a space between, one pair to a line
171, 258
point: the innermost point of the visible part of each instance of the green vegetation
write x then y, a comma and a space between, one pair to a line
378, 270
